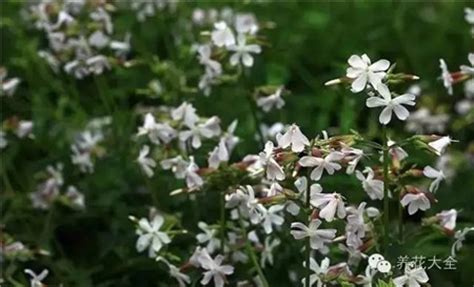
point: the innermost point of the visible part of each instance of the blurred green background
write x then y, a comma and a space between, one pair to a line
309, 44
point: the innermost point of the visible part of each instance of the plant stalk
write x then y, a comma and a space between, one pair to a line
223, 220
308, 242
386, 221
252, 255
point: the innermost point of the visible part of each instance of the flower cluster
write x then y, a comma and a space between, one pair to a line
80, 36
48, 191
234, 35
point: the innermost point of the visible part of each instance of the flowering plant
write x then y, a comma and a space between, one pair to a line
178, 144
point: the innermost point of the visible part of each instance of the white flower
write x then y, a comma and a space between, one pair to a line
186, 113
447, 218
244, 199
412, 278
35, 280
219, 154
415, 202
438, 176
390, 105
318, 237
446, 76
98, 39
318, 272
101, 15
373, 187
469, 15
329, 204
329, 163
229, 138
75, 197
468, 70
177, 165
243, 52
24, 129
209, 236
396, 151
97, 64
267, 251
82, 159
215, 269
355, 227
147, 164
354, 155
363, 72
270, 132
222, 35
122, 48
150, 235
246, 23
272, 217
273, 169
460, 236
272, 101
156, 132
3, 140
193, 180
440, 144
213, 68
7, 87
174, 271
294, 138
208, 129
367, 279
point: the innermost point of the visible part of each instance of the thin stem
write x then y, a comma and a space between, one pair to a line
400, 221
308, 242
385, 189
252, 255
223, 220
256, 121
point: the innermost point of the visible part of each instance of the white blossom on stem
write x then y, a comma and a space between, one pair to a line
36, 280
436, 175
468, 70
373, 187
363, 72
147, 164
328, 163
271, 217
243, 52
412, 278
441, 144
150, 235
208, 236
215, 269
272, 101
318, 272
273, 169
447, 218
318, 237
222, 35
329, 204
415, 202
446, 76
391, 105
294, 138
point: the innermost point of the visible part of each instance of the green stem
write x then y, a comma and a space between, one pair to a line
256, 121
253, 256
385, 189
400, 221
223, 219
308, 242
